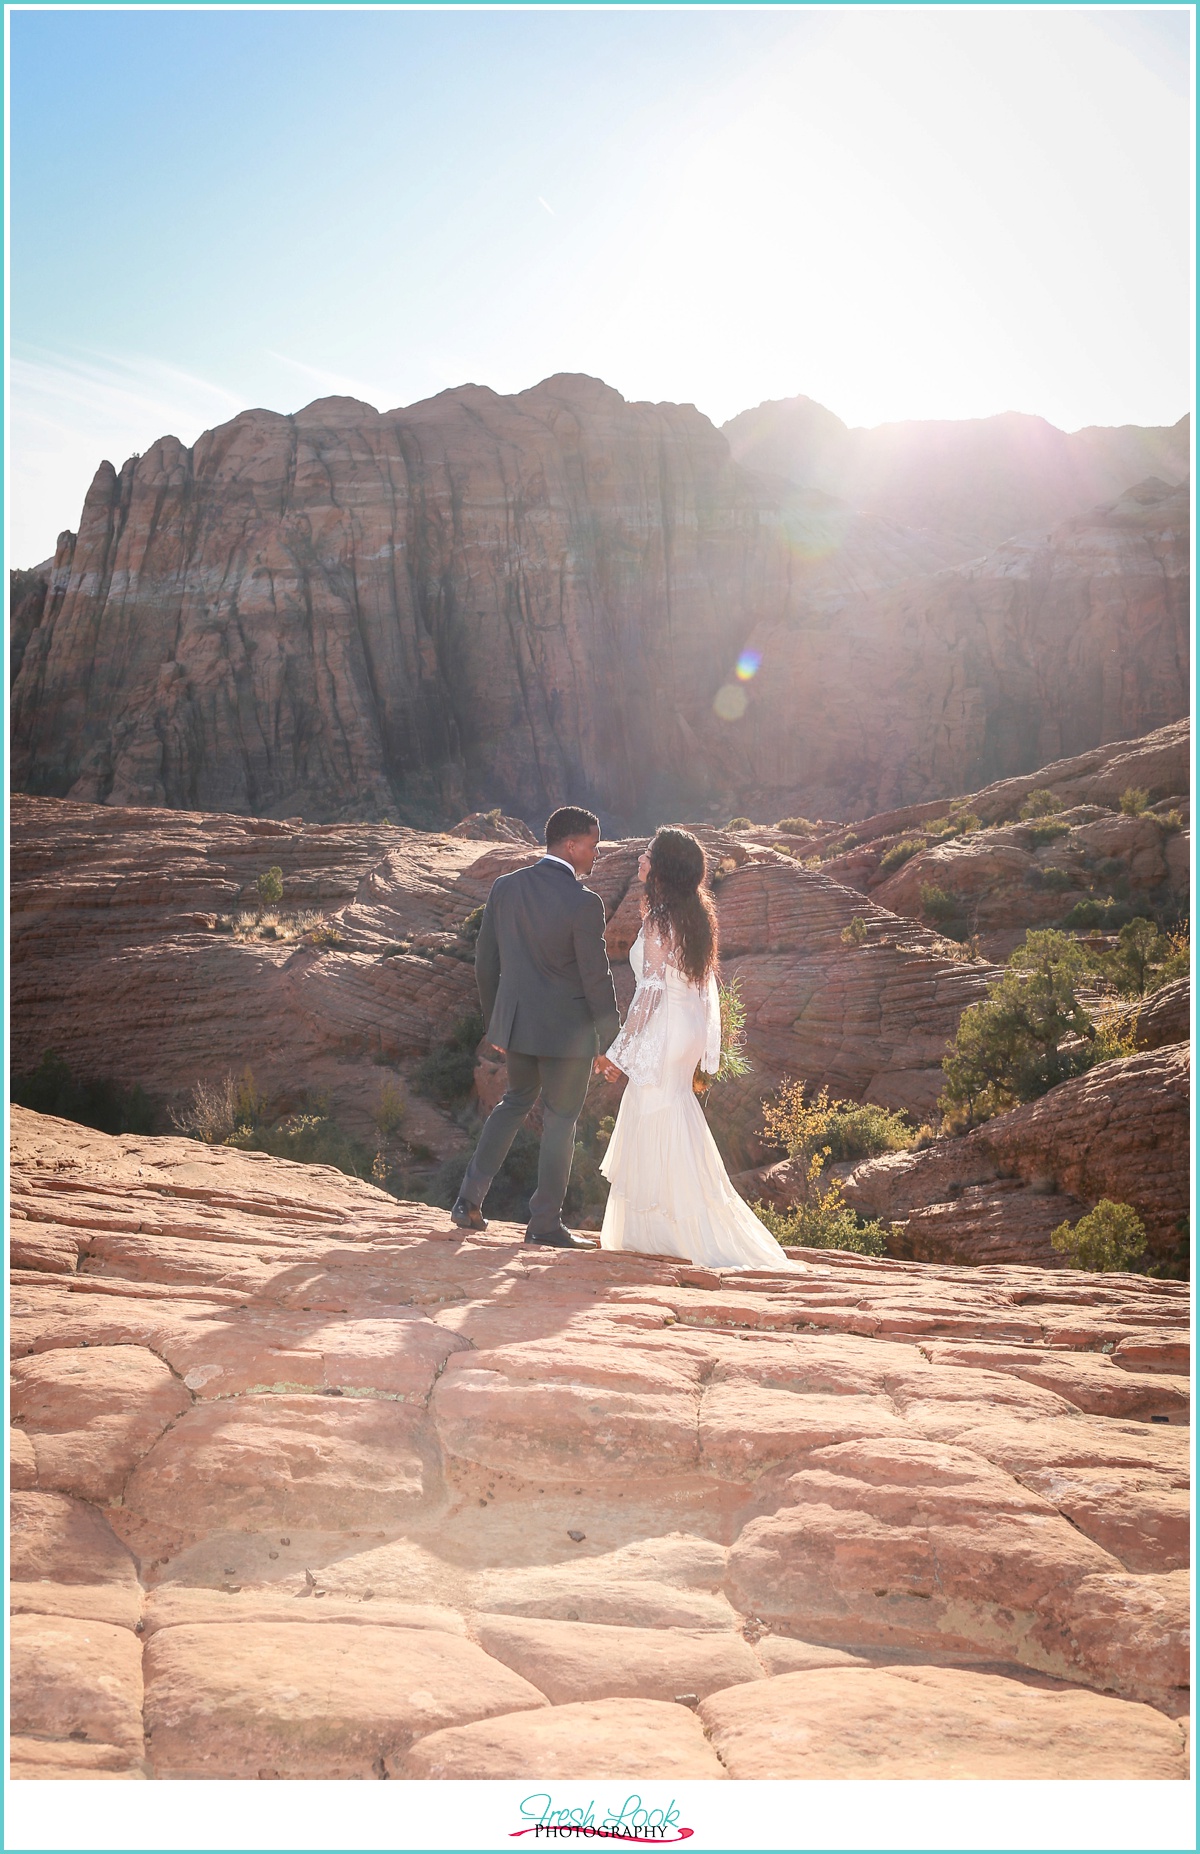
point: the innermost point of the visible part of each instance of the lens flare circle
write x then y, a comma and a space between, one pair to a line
748, 665
729, 703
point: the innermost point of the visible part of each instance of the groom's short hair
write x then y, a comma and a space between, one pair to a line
570, 821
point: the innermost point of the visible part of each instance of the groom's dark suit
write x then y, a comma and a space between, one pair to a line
548, 997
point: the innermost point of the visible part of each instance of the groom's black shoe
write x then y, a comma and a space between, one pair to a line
468, 1216
560, 1237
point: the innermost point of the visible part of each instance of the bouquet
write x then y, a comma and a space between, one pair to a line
733, 1036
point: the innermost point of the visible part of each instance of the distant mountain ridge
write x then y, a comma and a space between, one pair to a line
526, 599
976, 482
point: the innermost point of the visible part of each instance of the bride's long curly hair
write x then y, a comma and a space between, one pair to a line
678, 904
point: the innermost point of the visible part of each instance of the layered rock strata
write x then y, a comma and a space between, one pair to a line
1122, 1132
525, 600
119, 963
310, 1485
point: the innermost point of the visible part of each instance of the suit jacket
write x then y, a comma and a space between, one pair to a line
541, 965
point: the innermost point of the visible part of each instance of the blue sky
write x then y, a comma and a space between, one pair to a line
901, 213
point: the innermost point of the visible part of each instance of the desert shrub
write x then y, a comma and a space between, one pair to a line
797, 827
1108, 1240
1090, 911
841, 845
937, 904
824, 1221
391, 1110
1040, 804
310, 1139
856, 933
101, 1102
901, 851
270, 885
739, 824
1046, 830
1029, 1034
468, 929
837, 1129
447, 1074
1172, 820
1177, 958
1053, 878
1144, 958
956, 824
1177, 1266
209, 1113
1134, 800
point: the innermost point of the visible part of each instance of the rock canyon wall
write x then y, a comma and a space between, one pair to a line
520, 600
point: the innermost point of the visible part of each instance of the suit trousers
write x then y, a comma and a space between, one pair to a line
562, 1082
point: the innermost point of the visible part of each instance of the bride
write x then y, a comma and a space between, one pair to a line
669, 1191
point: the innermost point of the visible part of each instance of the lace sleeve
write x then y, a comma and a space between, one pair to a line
641, 1047
657, 953
711, 1060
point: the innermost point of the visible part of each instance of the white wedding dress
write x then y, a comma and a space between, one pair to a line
669, 1191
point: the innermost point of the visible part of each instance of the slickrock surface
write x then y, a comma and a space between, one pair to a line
1121, 1131
310, 1485
118, 964
523, 600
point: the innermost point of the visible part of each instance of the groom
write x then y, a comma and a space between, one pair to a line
548, 998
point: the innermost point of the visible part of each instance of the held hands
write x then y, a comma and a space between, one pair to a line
609, 1070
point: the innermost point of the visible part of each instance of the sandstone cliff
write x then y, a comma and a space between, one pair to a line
484, 600
1049, 646
311, 1486
977, 480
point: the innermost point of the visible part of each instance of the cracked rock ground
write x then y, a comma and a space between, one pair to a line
308, 1484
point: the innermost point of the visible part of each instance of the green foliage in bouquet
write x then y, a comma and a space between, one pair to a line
733, 1036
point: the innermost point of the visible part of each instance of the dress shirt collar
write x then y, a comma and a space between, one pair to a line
562, 863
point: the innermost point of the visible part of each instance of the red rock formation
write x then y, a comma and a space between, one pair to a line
311, 1486
977, 479
1121, 1131
118, 963
522, 600
1052, 644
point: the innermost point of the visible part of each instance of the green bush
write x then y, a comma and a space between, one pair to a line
1029, 1034
856, 933
1040, 804
938, 905
270, 885
739, 824
797, 827
1108, 1240
1053, 878
900, 852
1171, 821
469, 929
311, 1139
836, 1129
1047, 830
391, 1110
446, 1075
1092, 912
1134, 800
956, 824
102, 1103
1144, 958
826, 1222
